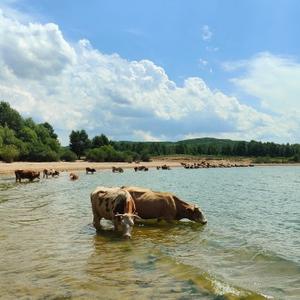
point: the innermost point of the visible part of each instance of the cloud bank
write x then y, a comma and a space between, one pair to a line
74, 86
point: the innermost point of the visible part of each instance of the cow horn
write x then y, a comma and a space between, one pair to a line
119, 215
136, 216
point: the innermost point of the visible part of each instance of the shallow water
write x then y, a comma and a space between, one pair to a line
250, 248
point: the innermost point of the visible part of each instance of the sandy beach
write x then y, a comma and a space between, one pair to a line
79, 165
9, 168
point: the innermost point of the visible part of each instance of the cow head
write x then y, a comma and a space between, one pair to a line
195, 214
127, 222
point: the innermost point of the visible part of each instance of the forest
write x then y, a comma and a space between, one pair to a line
22, 139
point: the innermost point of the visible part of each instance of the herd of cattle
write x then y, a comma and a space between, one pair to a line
31, 175
124, 205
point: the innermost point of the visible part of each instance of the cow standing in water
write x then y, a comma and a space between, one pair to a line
26, 174
73, 176
116, 205
163, 206
90, 170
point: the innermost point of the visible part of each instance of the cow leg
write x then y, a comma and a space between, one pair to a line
96, 218
96, 222
116, 224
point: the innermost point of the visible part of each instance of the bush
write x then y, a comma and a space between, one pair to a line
145, 156
68, 155
42, 154
108, 154
9, 153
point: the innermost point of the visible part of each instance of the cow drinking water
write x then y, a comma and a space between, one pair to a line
116, 205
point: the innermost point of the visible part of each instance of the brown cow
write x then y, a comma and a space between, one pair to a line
26, 174
47, 172
159, 205
117, 170
73, 176
113, 204
90, 170
50, 172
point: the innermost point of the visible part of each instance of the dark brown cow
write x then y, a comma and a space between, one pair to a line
55, 173
113, 204
26, 174
90, 170
165, 167
117, 170
159, 205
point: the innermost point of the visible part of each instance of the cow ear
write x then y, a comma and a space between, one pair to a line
191, 209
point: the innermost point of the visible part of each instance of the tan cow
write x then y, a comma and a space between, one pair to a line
73, 176
116, 205
26, 174
166, 206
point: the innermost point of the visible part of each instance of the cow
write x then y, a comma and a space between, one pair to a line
47, 172
163, 205
26, 174
90, 170
55, 173
50, 172
73, 176
140, 168
116, 205
117, 170
165, 167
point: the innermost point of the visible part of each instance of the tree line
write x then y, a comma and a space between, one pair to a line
23, 139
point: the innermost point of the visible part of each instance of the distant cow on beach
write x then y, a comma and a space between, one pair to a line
26, 174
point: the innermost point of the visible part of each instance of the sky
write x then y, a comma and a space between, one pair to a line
154, 70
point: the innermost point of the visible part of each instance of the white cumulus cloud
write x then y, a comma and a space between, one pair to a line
74, 86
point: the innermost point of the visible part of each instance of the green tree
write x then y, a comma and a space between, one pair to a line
79, 142
9, 153
50, 130
100, 140
10, 117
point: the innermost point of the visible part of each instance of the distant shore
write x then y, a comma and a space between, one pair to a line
80, 165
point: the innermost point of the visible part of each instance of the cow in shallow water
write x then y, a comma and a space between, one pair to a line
26, 174
73, 176
116, 205
166, 206
117, 170
50, 172
90, 170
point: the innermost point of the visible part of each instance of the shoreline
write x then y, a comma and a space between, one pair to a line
80, 165
9, 168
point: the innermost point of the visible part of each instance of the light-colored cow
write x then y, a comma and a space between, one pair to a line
116, 205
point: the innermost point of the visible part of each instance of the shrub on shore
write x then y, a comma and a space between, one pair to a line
9, 153
68, 155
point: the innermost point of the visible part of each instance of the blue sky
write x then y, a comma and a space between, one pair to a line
248, 50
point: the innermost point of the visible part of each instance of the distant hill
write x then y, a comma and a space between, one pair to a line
212, 146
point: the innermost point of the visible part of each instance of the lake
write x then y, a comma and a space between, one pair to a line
250, 248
